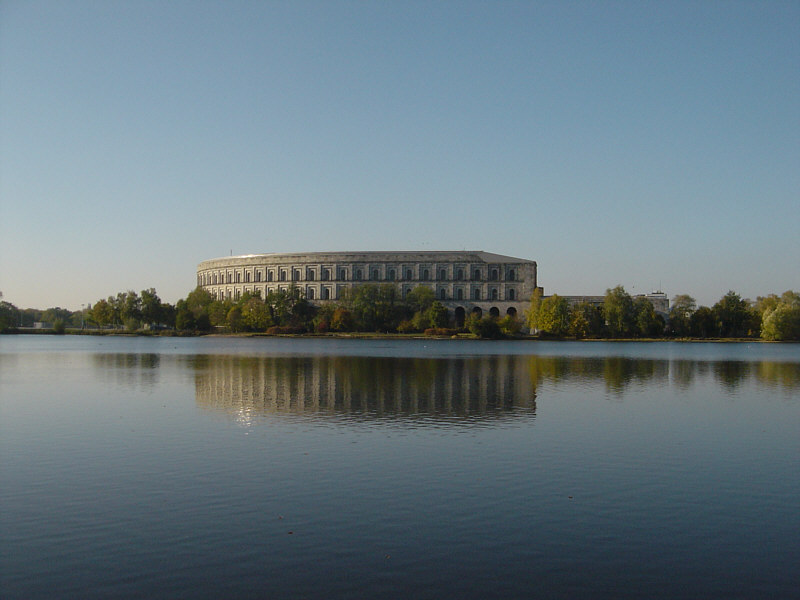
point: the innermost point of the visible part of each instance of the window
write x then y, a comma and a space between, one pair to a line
493, 275
391, 275
494, 293
326, 293
342, 274
358, 275
476, 294
476, 275
442, 274
326, 274
442, 294
375, 275
511, 274
295, 275
310, 275
425, 274
258, 275
460, 274
408, 274
247, 276
310, 293
510, 294
283, 275
459, 294
238, 277
269, 276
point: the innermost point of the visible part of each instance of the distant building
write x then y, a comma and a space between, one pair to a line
658, 299
464, 281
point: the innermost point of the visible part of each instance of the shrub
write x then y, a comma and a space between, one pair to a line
440, 331
406, 326
285, 329
59, 327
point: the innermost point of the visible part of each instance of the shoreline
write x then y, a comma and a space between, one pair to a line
375, 336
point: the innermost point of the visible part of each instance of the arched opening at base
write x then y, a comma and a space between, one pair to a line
494, 312
460, 316
511, 311
477, 312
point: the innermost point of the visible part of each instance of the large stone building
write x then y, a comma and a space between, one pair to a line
464, 281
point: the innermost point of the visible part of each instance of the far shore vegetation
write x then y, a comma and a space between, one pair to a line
371, 309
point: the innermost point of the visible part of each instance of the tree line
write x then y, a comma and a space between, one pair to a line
622, 316
381, 308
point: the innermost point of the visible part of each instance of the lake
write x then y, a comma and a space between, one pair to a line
341, 468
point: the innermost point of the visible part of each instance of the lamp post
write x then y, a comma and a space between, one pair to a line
82, 316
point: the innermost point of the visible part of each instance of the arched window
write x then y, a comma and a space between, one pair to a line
375, 275
326, 274
342, 274
425, 274
358, 275
442, 294
511, 274
258, 275
282, 275
408, 274
459, 294
247, 276
391, 275
494, 293
510, 294
493, 275
310, 275
476, 275
442, 274
460, 274
476, 294
238, 277
326, 293
494, 312
269, 276
310, 293
295, 275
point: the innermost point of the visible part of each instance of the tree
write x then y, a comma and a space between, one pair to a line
9, 316
533, 312
619, 313
419, 299
733, 316
102, 313
781, 321
151, 307
586, 320
554, 315
702, 323
647, 322
255, 314
683, 306
437, 315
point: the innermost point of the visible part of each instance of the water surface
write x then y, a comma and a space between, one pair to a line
319, 468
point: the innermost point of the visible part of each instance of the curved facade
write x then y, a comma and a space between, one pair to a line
464, 281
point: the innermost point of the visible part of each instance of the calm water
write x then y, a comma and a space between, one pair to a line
281, 468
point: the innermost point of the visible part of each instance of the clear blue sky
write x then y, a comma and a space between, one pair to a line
634, 143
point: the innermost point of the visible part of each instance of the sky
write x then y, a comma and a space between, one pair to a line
646, 144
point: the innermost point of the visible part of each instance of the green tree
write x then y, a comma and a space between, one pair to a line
702, 323
437, 315
680, 314
375, 307
733, 316
534, 310
419, 299
781, 321
255, 314
151, 307
554, 315
586, 320
619, 312
9, 316
647, 322
102, 313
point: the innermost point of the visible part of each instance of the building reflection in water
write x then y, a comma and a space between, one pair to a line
485, 388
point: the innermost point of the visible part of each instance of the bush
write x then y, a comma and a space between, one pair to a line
59, 327
487, 328
440, 331
406, 326
285, 330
